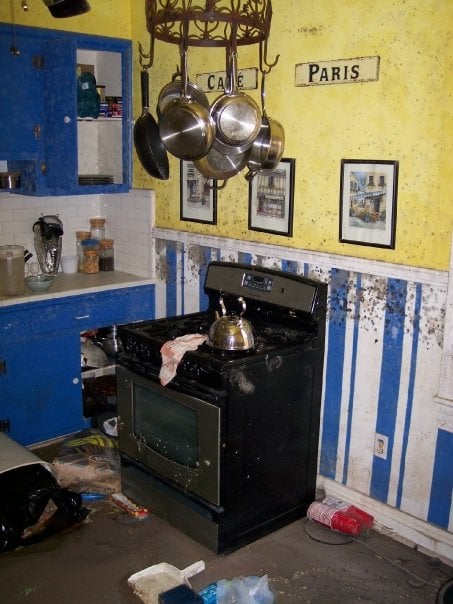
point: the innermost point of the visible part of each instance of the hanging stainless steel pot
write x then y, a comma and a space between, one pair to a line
219, 166
236, 116
268, 147
231, 331
172, 91
185, 126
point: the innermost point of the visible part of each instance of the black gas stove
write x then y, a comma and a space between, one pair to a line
284, 310
227, 450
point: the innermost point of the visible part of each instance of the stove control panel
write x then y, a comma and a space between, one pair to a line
262, 283
278, 288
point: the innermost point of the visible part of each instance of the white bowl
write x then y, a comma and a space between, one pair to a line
39, 283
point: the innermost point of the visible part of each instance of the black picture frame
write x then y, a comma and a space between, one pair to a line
198, 195
271, 200
368, 195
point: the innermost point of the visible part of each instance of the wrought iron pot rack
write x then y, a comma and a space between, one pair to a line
217, 23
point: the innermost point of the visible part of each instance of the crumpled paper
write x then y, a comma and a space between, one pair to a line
173, 351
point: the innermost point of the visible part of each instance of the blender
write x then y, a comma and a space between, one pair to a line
48, 232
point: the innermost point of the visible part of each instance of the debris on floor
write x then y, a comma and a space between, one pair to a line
88, 462
124, 503
340, 516
246, 590
148, 583
33, 505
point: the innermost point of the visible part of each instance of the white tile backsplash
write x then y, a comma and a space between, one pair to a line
129, 220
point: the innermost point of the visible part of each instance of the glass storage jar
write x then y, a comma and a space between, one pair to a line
81, 236
90, 255
91, 262
106, 255
97, 228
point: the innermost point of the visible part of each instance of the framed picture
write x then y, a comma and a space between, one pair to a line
271, 200
198, 195
368, 191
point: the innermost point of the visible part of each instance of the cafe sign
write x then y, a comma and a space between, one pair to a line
341, 71
215, 81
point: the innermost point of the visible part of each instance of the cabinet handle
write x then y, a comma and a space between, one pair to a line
67, 119
82, 317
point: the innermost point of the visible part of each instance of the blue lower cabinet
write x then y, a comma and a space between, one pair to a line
40, 375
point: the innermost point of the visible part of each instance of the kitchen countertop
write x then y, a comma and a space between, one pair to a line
79, 283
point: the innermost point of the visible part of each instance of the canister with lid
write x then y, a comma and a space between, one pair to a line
81, 236
97, 228
106, 255
90, 255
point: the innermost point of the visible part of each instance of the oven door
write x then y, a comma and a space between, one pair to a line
174, 435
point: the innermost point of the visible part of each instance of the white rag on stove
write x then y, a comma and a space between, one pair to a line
173, 351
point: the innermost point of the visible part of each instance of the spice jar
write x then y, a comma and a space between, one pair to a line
81, 236
90, 255
97, 228
106, 255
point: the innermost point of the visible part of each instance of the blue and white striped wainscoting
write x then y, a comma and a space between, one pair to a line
382, 445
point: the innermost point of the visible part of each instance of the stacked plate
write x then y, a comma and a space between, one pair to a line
95, 179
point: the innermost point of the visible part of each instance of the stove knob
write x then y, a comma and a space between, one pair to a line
131, 347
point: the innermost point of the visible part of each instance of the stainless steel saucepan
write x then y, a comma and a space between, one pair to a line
185, 125
268, 147
236, 116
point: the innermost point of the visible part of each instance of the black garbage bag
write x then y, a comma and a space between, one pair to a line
26, 494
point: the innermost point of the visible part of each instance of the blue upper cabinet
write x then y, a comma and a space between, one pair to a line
41, 135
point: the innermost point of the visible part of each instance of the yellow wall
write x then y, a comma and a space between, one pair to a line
106, 17
405, 116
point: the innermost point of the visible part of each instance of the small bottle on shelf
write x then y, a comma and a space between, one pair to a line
90, 255
97, 228
106, 255
81, 236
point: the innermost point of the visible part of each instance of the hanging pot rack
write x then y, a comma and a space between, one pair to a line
219, 23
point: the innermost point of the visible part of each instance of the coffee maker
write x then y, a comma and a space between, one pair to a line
48, 232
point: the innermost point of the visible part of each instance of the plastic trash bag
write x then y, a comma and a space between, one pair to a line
33, 506
245, 590
89, 462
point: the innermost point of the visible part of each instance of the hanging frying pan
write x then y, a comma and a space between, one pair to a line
150, 149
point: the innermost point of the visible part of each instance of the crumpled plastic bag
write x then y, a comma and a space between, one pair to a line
245, 590
89, 462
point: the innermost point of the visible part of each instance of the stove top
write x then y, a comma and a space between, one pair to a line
282, 308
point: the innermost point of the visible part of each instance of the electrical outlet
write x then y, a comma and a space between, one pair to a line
381, 445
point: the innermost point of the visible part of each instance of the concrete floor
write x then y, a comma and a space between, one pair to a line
91, 564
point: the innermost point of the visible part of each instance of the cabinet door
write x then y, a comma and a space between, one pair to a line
39, 134
20, 102
41, 389
59, 135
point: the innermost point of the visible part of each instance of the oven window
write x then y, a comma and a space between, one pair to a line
166, 426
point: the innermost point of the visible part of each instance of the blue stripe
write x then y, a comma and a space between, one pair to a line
355, 339
410, 392
244, 258
334, 372
442, 485
306, 269
289, 266
182, 280
170, 287
389, 383
206, 258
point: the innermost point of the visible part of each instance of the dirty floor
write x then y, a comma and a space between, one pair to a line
305, 563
